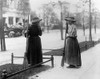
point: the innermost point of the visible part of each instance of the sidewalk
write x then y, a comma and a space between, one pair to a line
52, 40
90, 67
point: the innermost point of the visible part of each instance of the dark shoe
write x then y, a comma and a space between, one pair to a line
71, 66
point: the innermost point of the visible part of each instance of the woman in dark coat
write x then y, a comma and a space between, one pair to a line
34, 48
72, 49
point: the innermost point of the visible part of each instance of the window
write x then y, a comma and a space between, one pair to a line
10, 20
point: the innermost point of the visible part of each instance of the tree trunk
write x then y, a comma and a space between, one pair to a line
2, 36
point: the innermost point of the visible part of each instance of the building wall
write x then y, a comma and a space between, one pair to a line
12, 15
12, 18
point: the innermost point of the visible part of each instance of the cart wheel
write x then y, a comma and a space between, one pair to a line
11, 34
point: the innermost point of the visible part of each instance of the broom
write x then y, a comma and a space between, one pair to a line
63, 56
25, 62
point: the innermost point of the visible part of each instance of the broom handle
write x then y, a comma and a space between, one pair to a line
62, 61
27, 36
65, 36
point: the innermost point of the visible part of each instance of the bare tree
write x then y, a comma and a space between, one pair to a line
90, 16
94, 14
48, 15
63, 6
2, 38
24, 8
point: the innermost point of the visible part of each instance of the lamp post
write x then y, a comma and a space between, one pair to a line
61, 28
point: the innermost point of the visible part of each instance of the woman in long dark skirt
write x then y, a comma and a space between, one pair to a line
34, 48
72, 49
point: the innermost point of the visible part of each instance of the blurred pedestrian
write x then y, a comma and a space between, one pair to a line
34, 47
72, 55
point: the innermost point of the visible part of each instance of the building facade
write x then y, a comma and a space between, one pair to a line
12, 16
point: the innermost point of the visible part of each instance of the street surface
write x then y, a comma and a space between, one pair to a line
90, 58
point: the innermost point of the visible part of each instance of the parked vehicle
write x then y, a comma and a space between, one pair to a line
13, 32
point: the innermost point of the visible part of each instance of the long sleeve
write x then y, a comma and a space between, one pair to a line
34, 31
72, 31
40, 31
27, 32
66, 28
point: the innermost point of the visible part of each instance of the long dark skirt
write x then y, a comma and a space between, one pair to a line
72, 52
34, 50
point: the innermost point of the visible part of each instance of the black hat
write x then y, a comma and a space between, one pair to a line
36, 19
72, 19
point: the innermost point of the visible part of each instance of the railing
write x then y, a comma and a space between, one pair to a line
4, 72
5, 75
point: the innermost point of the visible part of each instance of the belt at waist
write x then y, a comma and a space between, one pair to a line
71, 37
33, 36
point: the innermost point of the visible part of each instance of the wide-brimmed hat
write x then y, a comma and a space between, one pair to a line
72, 19
36, 19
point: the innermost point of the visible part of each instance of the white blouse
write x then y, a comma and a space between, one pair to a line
72, 30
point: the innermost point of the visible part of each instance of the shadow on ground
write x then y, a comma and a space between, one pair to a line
12, 68
85, 45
